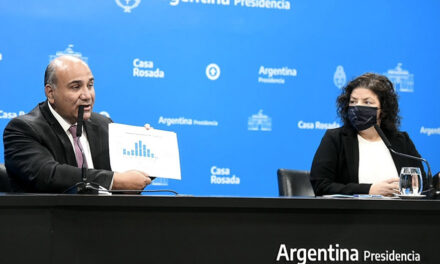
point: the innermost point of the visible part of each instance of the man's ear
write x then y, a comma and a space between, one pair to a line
49, 90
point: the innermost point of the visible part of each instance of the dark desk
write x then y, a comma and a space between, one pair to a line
140, 229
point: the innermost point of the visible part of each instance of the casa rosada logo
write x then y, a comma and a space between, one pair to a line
146, 69
69, 51
402, 80
260, 122
223, 176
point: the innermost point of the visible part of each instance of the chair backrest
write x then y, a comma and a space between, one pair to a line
294, 183
436, 181
5, 185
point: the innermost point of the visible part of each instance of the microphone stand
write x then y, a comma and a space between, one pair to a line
83, 187
431, 191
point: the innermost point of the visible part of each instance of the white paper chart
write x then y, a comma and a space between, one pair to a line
153, 151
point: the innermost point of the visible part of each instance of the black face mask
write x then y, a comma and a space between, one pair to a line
362, 117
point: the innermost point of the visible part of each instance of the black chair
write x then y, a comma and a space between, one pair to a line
294, 183
5, 186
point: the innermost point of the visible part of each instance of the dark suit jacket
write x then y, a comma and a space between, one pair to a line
39, 156
335, 166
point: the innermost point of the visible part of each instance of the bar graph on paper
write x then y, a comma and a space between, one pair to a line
139, 150
155, 152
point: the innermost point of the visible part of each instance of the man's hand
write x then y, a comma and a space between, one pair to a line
130, 180
386, 187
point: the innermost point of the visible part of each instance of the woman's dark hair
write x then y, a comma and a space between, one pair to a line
383, 88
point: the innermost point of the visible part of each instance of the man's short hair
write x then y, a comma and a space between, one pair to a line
50, 78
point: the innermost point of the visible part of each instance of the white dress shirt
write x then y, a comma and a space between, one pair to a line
375, 161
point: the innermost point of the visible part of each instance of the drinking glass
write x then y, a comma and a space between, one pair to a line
411, 182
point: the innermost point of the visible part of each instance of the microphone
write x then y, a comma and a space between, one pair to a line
430, 191
79, 122
83, 187
382, 136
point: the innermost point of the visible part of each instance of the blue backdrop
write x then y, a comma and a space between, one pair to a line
248, 85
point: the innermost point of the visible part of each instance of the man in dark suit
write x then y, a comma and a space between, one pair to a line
42, 152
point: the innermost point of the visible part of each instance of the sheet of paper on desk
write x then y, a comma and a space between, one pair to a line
153, 151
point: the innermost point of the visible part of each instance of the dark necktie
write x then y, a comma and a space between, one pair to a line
78, 148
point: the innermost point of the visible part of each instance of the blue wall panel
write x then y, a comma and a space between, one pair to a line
304, 45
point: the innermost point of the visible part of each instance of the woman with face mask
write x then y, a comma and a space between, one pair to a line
353, 159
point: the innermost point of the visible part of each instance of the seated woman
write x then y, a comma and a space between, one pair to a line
353, 159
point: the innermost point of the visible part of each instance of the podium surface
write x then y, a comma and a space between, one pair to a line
185, 229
